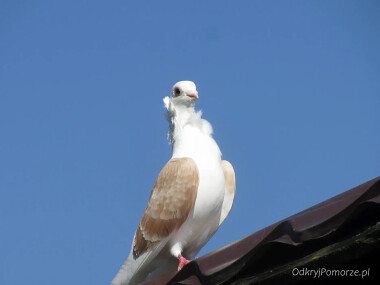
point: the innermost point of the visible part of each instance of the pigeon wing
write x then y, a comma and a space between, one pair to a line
170, 203
229, 195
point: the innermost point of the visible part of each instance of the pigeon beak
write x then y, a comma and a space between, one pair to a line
194, 96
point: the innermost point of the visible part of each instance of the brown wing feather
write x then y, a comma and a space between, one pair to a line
229, 196
172, 199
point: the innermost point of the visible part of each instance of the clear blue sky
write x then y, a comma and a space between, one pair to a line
292, 89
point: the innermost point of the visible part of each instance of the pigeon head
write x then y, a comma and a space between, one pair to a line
184, 92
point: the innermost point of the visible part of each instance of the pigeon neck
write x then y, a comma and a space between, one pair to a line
182, 115
191, 136
179, 117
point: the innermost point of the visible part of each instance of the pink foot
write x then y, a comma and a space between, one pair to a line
182, 262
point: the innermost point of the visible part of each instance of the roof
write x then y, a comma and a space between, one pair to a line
340, 233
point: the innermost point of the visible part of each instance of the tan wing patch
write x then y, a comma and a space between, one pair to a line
229, 196
172, 199
229, 176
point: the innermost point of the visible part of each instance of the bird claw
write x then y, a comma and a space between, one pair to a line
182, 262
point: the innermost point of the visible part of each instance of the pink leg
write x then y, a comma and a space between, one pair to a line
182, 261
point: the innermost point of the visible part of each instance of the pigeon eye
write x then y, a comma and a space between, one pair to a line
177, 91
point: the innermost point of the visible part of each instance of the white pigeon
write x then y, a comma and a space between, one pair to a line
192, 196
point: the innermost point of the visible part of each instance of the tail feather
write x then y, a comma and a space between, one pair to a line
136, 270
